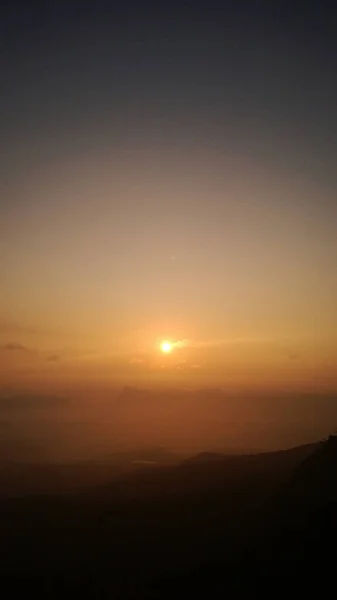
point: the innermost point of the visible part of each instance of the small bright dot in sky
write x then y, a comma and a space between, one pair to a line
166, 346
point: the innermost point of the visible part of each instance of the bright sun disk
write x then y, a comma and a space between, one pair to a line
166, 346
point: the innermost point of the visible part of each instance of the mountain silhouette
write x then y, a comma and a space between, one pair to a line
315, 480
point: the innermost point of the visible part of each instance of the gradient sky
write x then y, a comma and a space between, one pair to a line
169, 172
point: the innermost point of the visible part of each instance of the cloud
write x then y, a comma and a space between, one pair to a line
226, 342
181, 343
221, 342
53, 358
15, 347
186, 343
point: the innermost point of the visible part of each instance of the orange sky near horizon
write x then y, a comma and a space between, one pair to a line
95, 285
168, 181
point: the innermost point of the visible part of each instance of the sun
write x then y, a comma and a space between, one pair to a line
166, 346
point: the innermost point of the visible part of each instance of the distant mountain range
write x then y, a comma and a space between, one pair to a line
209, 522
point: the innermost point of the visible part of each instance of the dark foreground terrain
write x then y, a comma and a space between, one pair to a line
210, 526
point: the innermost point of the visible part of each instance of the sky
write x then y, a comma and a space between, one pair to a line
168, 173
